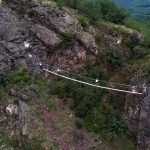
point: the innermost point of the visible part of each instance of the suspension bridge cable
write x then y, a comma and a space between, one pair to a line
92, 79
93, 85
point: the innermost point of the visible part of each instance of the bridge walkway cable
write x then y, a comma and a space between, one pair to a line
95, 82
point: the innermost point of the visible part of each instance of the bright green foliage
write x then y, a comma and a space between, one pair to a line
18, 77
83, 21
143, 27
40, 87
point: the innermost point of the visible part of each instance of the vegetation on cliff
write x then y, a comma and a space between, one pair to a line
56, 36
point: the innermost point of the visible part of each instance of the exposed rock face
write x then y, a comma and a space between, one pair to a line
61, 22
42, 37
75, 57
87, 40
137, 39
42, 28
9, 27
24, 117
144, 125
138, 107
54, 18
49, 38
2, 117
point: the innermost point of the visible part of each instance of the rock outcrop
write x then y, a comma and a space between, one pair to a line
138, 108
26, 43
49, 38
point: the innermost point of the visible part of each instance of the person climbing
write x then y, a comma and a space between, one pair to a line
27, 45
145, 89
134, 90
41, 65
96, 80
58, 71
30, 56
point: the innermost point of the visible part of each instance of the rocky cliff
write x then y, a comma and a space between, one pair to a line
33, 33
43, 28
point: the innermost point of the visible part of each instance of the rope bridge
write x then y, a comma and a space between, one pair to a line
95, 82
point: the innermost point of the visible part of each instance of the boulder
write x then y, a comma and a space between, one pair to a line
12, 109
2, 117
137, 38
48, 37
88, 41
25, 97
9, 28
54, 18
13, 92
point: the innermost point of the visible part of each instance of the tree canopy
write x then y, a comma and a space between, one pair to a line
97, 9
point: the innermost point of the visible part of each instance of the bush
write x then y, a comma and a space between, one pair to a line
98, 38
67, 39
147, 41
97, 9
113, 13
83, 21
85, 98
142, 26
20, 76
106, 120
17, 77
139, 52
129, 43
115, 57
78, 124
147, 69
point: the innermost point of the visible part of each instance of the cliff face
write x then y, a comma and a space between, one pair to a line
138, 108
44, 29
31, 34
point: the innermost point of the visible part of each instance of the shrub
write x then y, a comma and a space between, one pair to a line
98, 38
97, 9
115, 57
147, 41
106, 120
67, 39
17, 77
78, 124
20, 76
4, 80
129, 43
139, 52
147, 69
112, 12
85, 98
83, 21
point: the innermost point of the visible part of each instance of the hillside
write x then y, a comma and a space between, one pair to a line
41, 111
140, 9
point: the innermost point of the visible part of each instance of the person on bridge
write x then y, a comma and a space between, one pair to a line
58, 70
41, 66
96, 80
134, 90
144, 89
